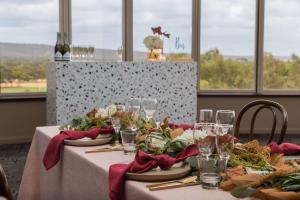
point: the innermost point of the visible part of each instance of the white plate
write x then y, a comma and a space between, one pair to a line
161, 175
101, 139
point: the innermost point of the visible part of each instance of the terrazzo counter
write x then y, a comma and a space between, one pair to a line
74, 88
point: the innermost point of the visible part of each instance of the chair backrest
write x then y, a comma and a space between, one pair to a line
274, 107
4, 189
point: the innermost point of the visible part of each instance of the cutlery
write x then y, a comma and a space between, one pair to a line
189, 179
105, 149
173, 185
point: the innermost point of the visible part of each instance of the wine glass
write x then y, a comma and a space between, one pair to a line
204, 138
114, 113
206, 116
135, 106
224, 144
224, 130
149, 106
226, 119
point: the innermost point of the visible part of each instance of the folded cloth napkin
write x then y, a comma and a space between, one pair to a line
143, 162
183, 126
285, 148
52, 154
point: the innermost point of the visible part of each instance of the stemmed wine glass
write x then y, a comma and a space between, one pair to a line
135, 106
204, 138
114, 113
224, 130
149, 106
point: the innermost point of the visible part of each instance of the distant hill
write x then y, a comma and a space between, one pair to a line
25, 50
12, 50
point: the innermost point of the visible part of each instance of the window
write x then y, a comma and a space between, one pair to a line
236, 38
27, 35
281, 69
98, 24
174, 17
227, 45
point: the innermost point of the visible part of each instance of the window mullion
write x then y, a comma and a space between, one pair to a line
196, 30
259, 54
127, 30
65, 19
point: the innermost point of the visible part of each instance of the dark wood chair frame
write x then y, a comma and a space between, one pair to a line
4, 188
264, 104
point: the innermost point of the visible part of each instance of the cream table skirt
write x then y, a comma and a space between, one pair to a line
80, 176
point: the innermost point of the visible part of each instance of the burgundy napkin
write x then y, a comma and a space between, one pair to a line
285, 148
183, 126
143, 162
52, 154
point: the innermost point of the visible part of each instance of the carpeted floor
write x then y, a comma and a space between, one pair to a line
12, 159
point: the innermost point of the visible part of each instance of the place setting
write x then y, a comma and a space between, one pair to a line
206, 154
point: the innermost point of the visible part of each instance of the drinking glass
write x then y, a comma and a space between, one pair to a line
210, 180
206, 116
149, 106
225, 142
90, 52
224, 130
128, 141
209, 171
135, 106
114, 112
226, 119
204, 138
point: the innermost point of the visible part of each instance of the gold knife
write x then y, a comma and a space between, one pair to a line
184, 180
173, 185
105, 149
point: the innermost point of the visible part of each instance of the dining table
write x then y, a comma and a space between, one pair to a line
84, 176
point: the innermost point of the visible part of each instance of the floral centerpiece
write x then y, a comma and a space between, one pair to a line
99, 118
95, 118
155, 44
269, 177
162, 138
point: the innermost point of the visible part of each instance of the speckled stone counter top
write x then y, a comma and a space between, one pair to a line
74, 88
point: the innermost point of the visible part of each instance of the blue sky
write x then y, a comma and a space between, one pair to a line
226, 24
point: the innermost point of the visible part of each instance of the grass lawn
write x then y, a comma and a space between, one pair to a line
22, 89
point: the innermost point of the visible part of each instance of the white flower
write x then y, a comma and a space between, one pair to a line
188, 135
153, 42
101, 112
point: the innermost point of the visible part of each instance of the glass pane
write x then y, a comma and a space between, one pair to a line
98, 24
174, 17
27, 36
227, 44
282, 39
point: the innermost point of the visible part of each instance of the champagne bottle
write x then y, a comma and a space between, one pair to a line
58, 48
66, 56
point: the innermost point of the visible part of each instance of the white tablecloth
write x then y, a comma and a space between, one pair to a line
85, 176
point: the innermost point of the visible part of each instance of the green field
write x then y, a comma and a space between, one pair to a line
22, 89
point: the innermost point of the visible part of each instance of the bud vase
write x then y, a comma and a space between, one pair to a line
155, 55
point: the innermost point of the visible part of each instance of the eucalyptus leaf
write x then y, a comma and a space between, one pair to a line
243, 192
192, 161
292, 187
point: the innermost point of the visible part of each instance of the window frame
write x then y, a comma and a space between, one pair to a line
65, 25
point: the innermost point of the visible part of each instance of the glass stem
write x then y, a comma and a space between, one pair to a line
117, 136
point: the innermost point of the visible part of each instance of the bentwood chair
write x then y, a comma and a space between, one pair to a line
4, 189
275, 109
